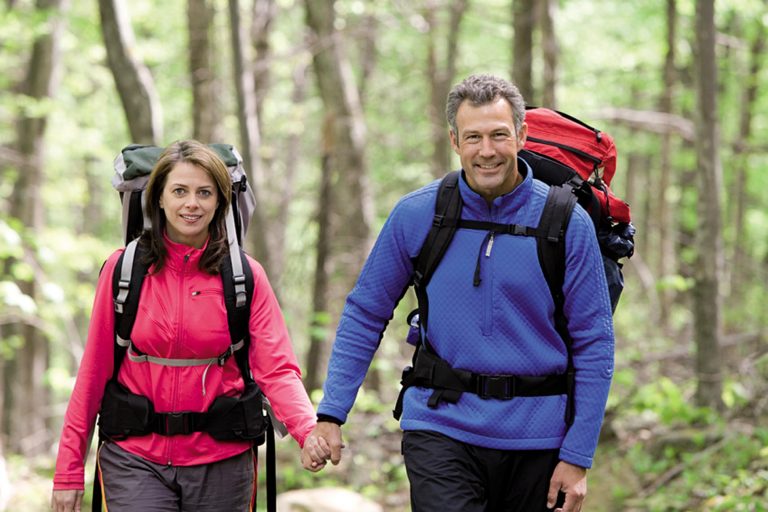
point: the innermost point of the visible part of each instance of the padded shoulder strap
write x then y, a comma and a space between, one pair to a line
448, 206
127, 280
447, 213
238, 311
551, 248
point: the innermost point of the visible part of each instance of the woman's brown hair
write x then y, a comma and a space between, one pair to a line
200, 155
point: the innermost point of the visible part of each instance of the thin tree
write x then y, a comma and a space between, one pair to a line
25, 393
667, 258
706, 291
206, 111
749, 97
349, 211
550, 51
523, 24
441, 77
262, 19
132, 78
250, 137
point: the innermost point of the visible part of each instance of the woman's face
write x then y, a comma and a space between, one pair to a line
189, 200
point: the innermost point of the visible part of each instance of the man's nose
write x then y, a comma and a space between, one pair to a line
486, 147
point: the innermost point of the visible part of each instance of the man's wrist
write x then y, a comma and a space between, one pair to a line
329, 419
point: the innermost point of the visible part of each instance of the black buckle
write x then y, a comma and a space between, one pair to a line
417, 277
501, 387
222, 359
437, 220
174, 423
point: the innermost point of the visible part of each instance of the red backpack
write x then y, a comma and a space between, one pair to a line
586, 150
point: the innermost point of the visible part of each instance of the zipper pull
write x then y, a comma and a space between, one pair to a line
489, 246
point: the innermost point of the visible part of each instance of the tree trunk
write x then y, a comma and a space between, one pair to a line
740, 197
320, 321
286, 184
523, 23
261, 25
440, 80
250, 137
349, 220
132, 78
667, 259
368, 51
550, 50
707, 325
206, 111
27, 429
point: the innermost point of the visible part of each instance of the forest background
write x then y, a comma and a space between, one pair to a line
337, 109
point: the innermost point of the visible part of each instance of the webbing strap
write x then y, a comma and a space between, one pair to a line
555, 219
431, 371
501, 229
126, 269
164, 361
238, 276
271, 470
448, 205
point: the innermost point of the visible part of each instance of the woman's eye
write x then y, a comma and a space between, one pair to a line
205, 193
178, 192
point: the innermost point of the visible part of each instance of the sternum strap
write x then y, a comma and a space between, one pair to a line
136, 357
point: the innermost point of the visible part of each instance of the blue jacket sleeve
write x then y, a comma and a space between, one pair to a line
370, 305
588, 310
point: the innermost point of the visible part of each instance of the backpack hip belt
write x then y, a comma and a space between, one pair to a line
431, 371
126, 414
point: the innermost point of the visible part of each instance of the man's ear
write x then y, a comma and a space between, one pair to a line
522, 135
454, 141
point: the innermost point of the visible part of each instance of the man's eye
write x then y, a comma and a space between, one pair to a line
500, 136
472, 138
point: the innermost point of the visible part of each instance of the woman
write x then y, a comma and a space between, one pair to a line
181, 316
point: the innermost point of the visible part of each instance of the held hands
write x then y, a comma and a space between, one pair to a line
67, 501
322, 445
572, 481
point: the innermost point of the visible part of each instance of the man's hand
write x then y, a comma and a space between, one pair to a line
571, 480
323, 444
67, 501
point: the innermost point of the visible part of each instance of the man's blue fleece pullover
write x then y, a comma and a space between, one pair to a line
502, 326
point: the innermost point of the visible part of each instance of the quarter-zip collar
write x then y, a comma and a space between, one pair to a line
476, 207
183, 257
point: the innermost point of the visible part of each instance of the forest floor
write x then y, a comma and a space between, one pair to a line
723, 468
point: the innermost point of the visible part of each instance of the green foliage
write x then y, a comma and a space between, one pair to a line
611, 55
670, 403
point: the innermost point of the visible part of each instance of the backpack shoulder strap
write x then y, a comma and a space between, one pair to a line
551, 250
237, 280
127, 279
448, 206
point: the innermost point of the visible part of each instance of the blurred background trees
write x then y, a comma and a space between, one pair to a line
337, 108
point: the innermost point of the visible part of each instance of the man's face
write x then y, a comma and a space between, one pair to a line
487, 145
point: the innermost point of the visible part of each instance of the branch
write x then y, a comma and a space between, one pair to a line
656, 122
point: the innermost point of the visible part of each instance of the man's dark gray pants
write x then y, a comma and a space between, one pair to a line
450, 476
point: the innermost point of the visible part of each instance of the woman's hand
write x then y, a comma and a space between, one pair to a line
67, 501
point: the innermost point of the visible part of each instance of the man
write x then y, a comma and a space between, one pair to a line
490, 313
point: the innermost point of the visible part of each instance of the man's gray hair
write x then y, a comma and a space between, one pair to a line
481, 90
